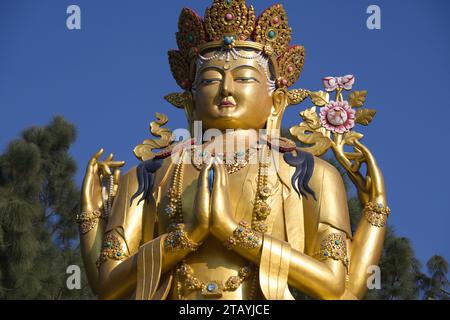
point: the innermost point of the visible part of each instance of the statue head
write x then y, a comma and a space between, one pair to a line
235, 68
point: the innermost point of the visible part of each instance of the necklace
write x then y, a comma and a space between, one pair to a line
233, 161
184, 275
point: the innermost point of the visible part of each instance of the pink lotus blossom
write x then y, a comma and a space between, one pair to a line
337, 116
333, 83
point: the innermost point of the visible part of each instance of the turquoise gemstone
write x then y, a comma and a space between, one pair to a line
228, 2
211, 287
228, 40
190, 37
337, 242
240, 153
272, 34
210, 179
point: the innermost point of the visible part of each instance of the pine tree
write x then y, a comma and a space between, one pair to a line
400, 270
436, 287
38, 199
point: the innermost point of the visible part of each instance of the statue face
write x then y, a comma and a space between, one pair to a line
232, 95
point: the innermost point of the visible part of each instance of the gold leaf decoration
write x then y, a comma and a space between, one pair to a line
365, 116
320, 98
311, 118
320, 143
144, 151
357, 98
352, 136
178, 100
296, 96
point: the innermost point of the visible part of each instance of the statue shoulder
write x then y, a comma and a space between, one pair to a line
301, 170
331, 196
321, 186
323, 168
153, 172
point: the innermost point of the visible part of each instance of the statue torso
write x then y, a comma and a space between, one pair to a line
213, 261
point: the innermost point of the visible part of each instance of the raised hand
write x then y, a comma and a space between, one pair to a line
371, 186
222, 221
199, 229
91, 193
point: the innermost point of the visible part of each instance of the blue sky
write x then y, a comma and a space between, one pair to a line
109, 79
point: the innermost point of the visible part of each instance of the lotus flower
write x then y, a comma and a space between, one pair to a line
333, 83
337, 116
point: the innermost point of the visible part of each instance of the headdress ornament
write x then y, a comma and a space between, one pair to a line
231, 24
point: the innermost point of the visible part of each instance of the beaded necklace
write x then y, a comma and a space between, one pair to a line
261, 210
237, 161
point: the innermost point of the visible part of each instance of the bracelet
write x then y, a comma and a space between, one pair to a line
178, 240
244, 236
376, 214
334, 247
112, 249
88, 220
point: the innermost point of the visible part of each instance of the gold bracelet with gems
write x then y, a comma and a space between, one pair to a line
89, 219
376, 214
210, 289
112, 249
178, 240
244, 237
334, 247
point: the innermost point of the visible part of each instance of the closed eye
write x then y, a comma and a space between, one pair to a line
246, 79
210, 81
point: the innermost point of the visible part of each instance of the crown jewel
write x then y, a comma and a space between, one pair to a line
232, 24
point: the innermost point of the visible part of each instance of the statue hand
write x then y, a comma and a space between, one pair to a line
91, 192
199, 230
371, 187
222, 221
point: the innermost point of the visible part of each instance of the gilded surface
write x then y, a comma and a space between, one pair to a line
239, 84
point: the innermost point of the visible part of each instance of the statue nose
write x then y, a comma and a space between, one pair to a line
227, 85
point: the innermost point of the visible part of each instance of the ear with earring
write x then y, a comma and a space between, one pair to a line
280, 102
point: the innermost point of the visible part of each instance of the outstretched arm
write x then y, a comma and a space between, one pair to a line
367, 243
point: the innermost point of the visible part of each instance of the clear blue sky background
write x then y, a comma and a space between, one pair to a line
110, 78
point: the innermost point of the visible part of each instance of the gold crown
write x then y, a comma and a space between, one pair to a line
231, 24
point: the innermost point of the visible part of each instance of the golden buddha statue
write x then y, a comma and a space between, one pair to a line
194, 222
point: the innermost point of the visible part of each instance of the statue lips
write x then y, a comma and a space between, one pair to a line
227, 103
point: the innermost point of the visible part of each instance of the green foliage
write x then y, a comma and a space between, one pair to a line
38, 198
436, 286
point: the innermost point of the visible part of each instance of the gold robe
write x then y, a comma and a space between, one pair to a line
294, 220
